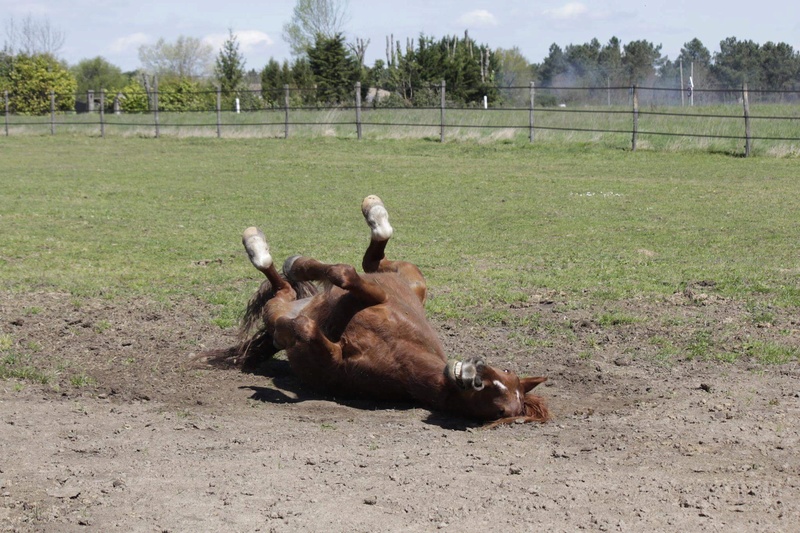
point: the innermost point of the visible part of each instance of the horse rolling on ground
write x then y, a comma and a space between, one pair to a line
366, 335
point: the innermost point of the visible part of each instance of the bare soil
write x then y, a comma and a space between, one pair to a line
129, 436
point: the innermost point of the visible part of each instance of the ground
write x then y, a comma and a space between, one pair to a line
649, 433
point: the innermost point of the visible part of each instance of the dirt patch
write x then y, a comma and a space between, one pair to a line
666, 418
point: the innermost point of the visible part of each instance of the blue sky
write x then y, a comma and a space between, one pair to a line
115, 29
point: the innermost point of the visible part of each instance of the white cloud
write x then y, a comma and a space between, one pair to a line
249, 40
568, 11
480, 18
130, 42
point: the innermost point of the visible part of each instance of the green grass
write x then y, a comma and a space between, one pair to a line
491, 225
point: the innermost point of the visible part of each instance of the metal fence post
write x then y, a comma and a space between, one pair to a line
52, 112
155, 104
358, 109
219, 110
103, 113
5, 97
441, 133
530, 117
635, 117
746, 102
286, 110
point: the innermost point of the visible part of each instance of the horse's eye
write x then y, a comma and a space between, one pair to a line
505, 370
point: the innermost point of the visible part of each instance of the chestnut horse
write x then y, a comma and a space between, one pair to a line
366, 335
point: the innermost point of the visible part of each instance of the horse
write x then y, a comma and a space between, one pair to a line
366, 335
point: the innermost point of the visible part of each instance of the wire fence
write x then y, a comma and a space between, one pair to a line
634, 117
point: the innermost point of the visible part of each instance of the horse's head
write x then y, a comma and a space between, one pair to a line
496, 395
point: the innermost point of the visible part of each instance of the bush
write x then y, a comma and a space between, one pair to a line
29, 81
134, 98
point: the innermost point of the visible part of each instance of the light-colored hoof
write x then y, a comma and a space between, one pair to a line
377, 218
257, 248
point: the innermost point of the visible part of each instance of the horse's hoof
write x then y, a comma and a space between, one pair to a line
257, 248
377, 218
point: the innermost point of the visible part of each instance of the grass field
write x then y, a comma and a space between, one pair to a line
487, 223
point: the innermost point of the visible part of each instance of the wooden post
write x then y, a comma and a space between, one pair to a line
103, 113
90, 101
635, 117
441, 133
155, 104
5, 97
530, 114
52, 112
358, 109
746, 102
219, 110
286, 111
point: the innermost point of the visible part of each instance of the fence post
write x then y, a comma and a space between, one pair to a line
635, 117
358, 109
52, 112
90, 100
155, 104
746, 102
219, 110
530, 116
116, 103
286, 110
441, 133
103, 113
5, 97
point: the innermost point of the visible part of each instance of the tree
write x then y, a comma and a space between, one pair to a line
30, 80
312, 18
738, 62
640, 60
32, 37
515, 71
553, 65
781, 66
188, 57
229, 68
334, 68
97, 73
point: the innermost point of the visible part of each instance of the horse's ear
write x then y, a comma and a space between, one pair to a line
529, 383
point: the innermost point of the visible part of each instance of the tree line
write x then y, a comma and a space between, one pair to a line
326, 67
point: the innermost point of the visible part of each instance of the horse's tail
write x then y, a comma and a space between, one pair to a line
254, 343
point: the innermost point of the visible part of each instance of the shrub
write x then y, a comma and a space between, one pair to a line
31, 78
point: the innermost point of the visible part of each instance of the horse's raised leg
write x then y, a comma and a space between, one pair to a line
343, 276
375, 257
281, 304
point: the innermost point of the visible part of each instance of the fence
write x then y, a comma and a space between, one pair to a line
636, 117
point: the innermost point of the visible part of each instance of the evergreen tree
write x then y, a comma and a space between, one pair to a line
334, 68
229, 68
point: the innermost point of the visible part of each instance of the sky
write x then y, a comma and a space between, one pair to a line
115, 29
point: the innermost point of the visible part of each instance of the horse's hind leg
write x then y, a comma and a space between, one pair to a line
375, 257
343, 276
281, 304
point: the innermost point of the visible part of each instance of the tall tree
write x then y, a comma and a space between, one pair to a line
229, 68
32, 36
311, 18
97, 73
334, 68
738, 62
640, 60
781, 66
187, 57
